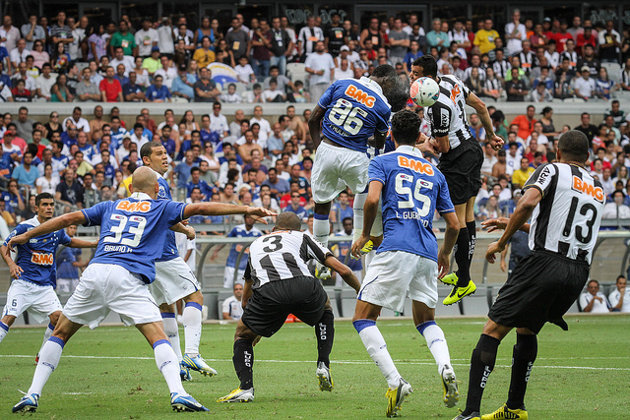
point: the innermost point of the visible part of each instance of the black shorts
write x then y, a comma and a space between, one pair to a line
270, 304
462, 170
541, 289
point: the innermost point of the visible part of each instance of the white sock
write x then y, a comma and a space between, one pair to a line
4, 329
47, 334
171, 329
377, 349
357, 209
321, 229
192, 327
49, 356
166, 361
436, 343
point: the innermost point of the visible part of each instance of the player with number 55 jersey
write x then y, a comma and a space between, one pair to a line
346, 116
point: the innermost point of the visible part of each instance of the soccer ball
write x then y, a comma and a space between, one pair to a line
424, 91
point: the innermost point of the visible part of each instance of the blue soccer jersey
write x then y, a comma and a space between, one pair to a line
133, 231
240, 231
355, 110
170, 247
37, 256
413, 190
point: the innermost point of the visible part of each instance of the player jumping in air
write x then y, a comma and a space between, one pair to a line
346, 116
174, 280
565, 204
133, 232
278, 283
460, 162
408, 261
34, 271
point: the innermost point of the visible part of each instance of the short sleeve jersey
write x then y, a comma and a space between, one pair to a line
37, 256
445, 120
133, 231
240, 231
413, 190
355, 111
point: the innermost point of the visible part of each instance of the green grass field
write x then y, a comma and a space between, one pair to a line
110, 373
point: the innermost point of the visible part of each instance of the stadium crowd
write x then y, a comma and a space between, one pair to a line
68, 58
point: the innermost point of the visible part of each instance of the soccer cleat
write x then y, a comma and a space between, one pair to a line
28, 404
322, 272
459, 293
323, 375
238, 395
506, 413
185, 403
197, 363
184, 374
395, 397
472, 416
368, 247
450, 279
451, 393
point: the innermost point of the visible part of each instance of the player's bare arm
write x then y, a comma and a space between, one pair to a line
187, 230
344, 271
450, 238
500, 223
16, 270
315, 125
52, 225
80, 243
479, 106
213, 209
370, 209
521, 215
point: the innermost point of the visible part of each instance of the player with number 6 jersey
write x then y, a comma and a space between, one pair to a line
565, 204
133, 231
346, 116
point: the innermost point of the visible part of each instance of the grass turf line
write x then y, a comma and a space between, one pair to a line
133, 388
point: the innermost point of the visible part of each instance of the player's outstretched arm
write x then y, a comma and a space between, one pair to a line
474, 101
523, 212
16, 270
80, 243
499, 224
344, 271
450, 238
52, 225
220, 209
189, 231
370, 208
315, 125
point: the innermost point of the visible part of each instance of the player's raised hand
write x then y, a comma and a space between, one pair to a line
493, 248
258, 213
444, 264
491, 225
355, 251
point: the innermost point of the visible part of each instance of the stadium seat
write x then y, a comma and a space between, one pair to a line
296, 72
614, 71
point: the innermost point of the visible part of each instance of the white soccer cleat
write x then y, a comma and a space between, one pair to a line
238, 395
324, 378
449, 381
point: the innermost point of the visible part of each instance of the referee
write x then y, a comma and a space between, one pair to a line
278, 283
565, 204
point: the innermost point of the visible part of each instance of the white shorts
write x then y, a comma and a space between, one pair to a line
393, 274
108, 287
228, 277
174, 280
39, 301
336, 168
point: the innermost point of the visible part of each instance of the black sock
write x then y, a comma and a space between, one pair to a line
481, 364
243, 360
472, 233
325, 332
461, 257
523, 358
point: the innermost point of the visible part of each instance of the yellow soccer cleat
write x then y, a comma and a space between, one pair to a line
450, 279
367, 248
238, 395
459, 293
395, 397
506, 413
324, 378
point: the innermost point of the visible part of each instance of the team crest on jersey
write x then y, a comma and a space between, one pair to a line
138, 206
42, 258
360, 96
584, 187
415, 165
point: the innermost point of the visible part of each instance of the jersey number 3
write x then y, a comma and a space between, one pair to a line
118, 230
344, 115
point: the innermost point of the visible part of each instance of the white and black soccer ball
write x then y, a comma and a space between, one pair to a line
424, 91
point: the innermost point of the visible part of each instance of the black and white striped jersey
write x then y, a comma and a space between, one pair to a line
282, 255
446, 119
567, 219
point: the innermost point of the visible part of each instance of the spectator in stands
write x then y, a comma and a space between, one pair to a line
585, 86
205, 89
26, 174
589, 60
486, 37
609, 43
204, 55
111, 90
604, 87
157, 92
232, 309
525, 122
14, 203
616, 209
237, 39
70, 192
32, 32
516, 87
321, 67
125, 39
593, 300
619, 298
522, 174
